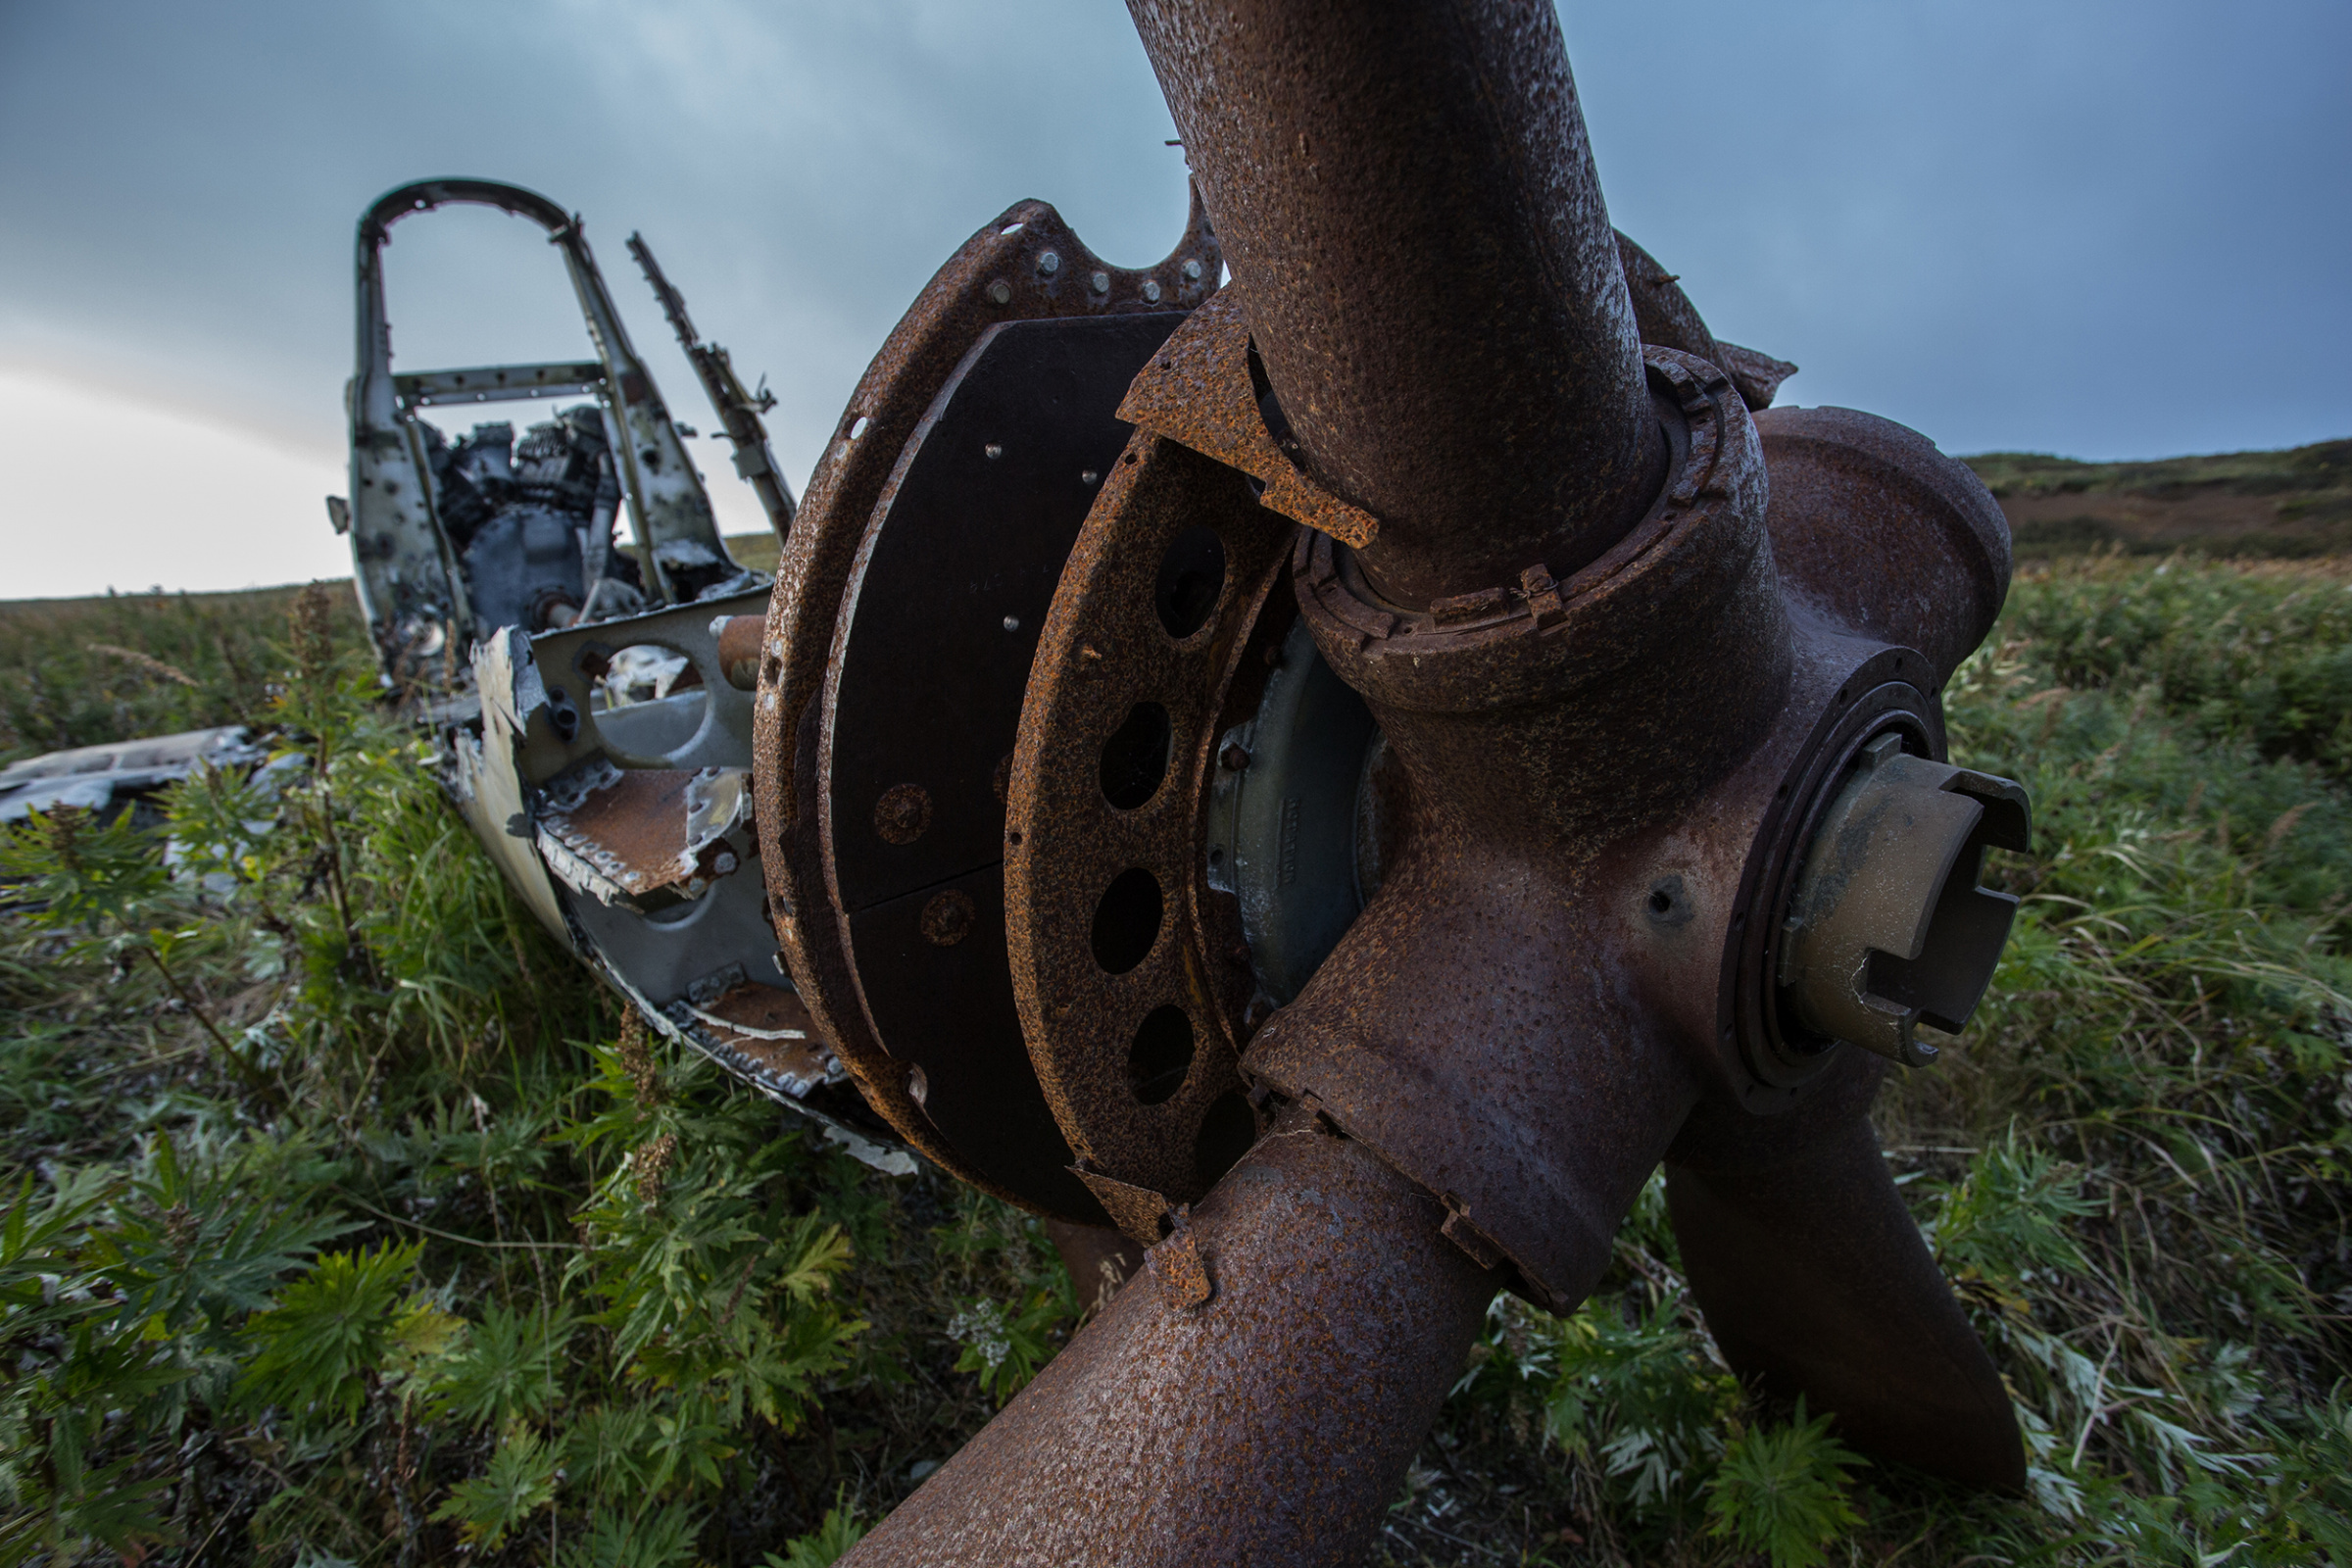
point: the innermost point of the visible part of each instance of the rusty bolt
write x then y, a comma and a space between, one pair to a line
1888, 928
947, 918
903, 812
1001, 292
1234, 757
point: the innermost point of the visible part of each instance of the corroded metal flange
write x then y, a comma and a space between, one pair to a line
1134, 1029
1026, 265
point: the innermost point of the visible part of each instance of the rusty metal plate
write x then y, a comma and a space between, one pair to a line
931, 657
999, 275
1131, 1025
643, 837
1200, 391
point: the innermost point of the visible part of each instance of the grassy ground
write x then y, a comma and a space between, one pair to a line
2294, 503
84, 671
349, 1222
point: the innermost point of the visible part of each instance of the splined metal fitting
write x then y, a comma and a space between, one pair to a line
1888, 928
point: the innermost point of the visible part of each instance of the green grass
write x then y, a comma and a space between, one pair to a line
347, 1220
2134, 1165
2294, 503
2323, 465
86, 672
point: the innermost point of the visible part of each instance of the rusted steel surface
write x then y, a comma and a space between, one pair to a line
1252, 1397
1001, 274
738, 644
1875, 529
768, 1027
645, 836
1540, 828
1099, 1259
1668, 319
1199, 391
1470, 758
1406, 191
1134, 1029
1815, 1280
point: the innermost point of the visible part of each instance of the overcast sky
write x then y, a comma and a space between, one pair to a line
2102, 230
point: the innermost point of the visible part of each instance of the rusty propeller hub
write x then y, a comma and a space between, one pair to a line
1343, 775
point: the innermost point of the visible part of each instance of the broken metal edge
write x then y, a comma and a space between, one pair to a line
677, 1024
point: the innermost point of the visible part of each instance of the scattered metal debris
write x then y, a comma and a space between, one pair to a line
738, 409
596, 743
1339, 776
106, 779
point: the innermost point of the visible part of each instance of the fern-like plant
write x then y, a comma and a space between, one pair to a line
1781, 1491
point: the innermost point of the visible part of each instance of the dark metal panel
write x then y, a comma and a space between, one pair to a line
936, 987
940, 622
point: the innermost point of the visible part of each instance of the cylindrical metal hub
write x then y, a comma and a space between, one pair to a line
1407, 200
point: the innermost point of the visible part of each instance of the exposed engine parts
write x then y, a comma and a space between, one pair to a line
1338, 775
1474, 752
532, 522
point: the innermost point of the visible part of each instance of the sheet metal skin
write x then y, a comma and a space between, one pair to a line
1246, 1429
999, 275
410, 582
639, 868
1405, 191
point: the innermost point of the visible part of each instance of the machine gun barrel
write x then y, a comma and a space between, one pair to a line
738, 408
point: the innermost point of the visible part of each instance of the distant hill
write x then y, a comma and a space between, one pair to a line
2292, 502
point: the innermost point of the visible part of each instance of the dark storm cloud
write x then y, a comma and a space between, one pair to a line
2103, 229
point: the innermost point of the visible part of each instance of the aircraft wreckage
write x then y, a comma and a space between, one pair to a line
1322, 781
